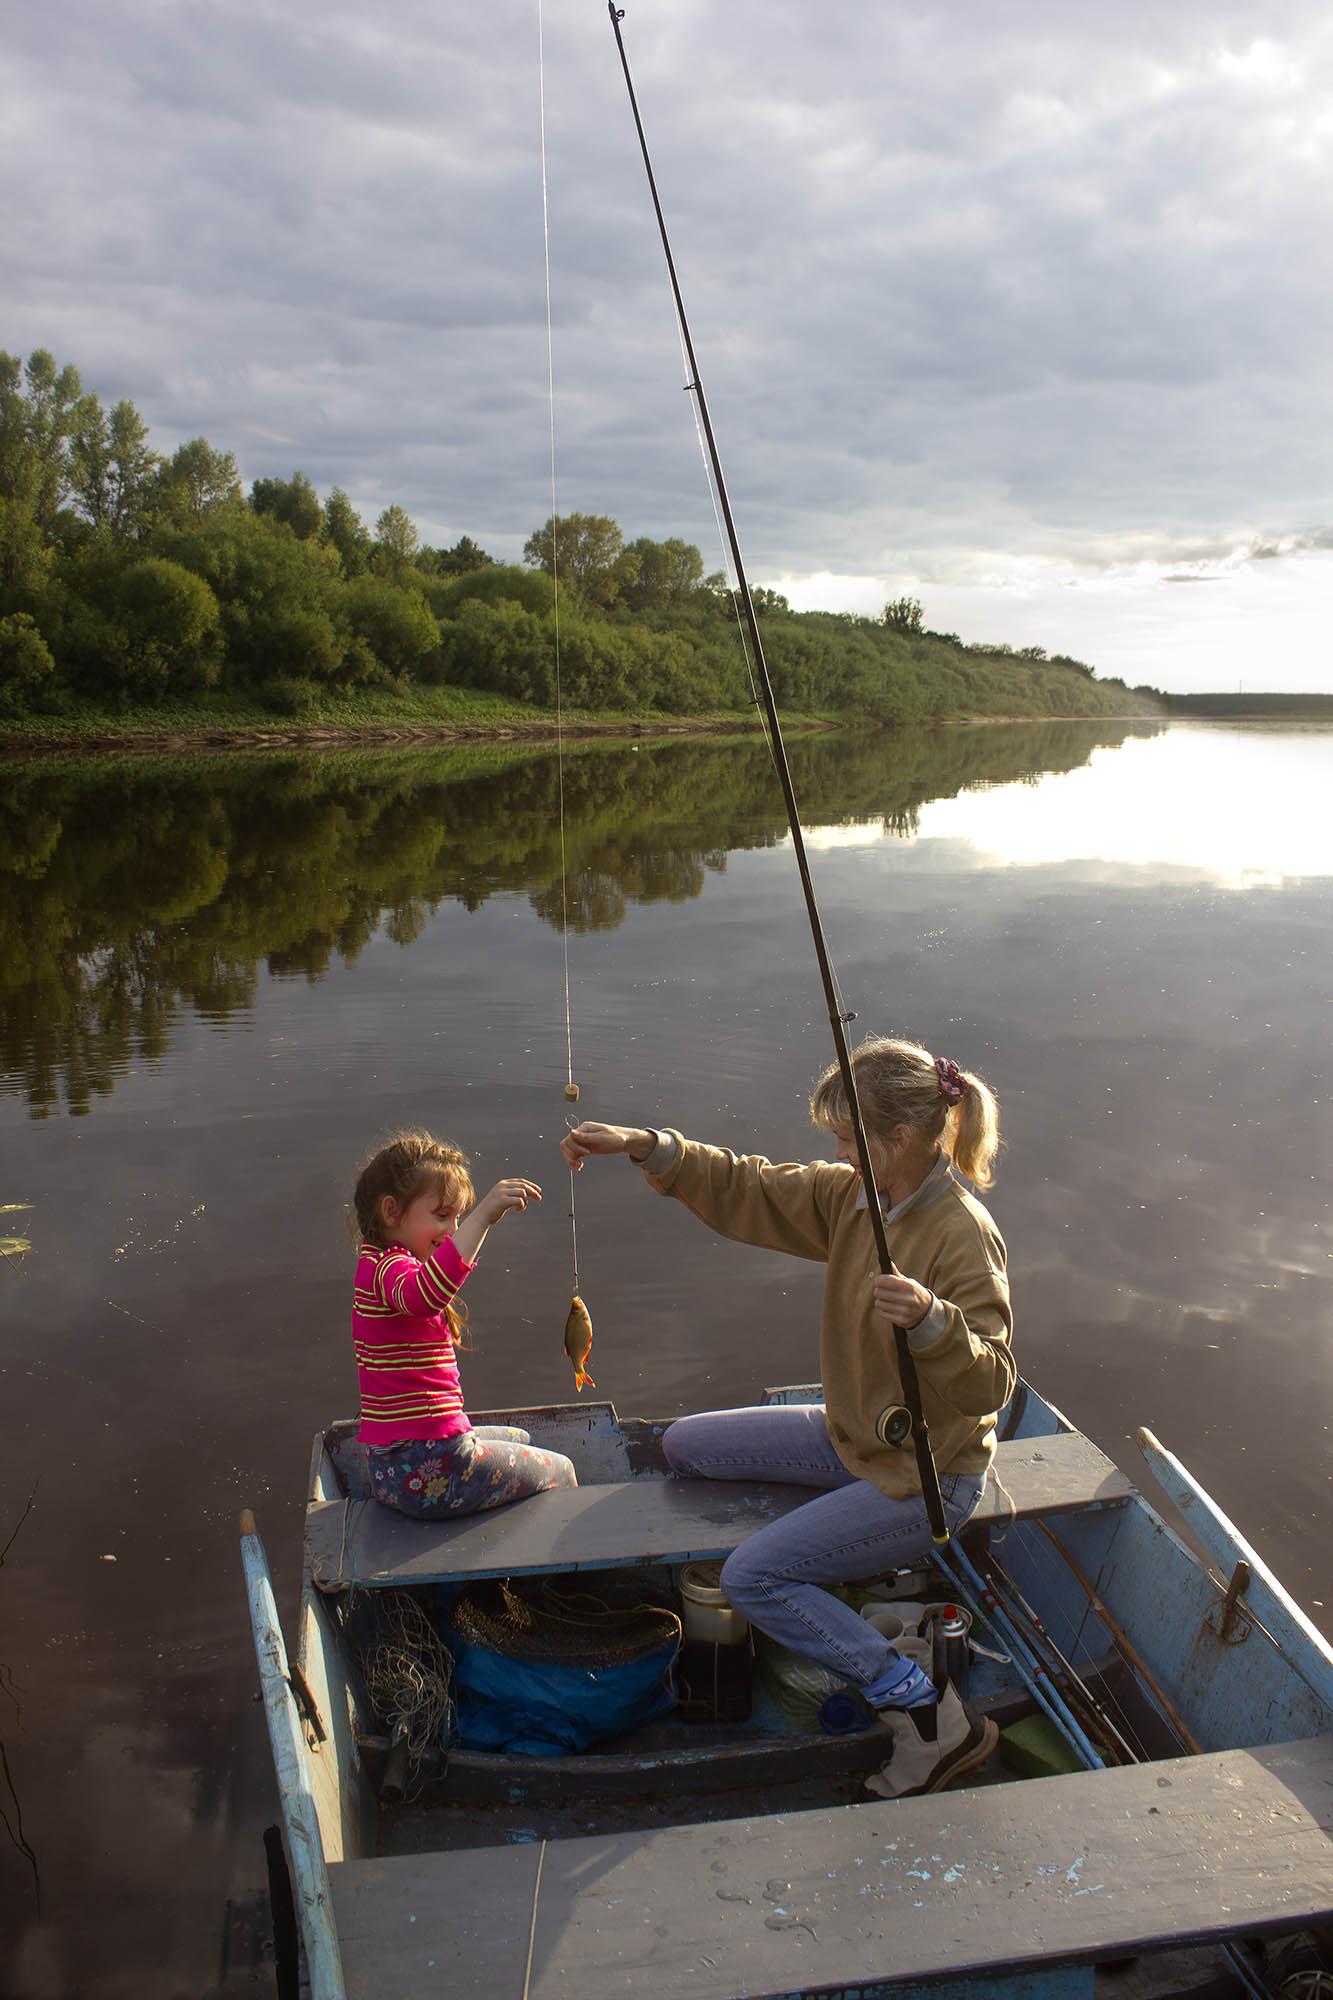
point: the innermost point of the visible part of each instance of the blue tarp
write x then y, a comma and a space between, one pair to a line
552, 1709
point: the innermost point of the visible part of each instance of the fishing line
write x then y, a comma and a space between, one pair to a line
571, 1088
916, 1423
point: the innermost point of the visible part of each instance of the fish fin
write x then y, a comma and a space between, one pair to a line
581, 1379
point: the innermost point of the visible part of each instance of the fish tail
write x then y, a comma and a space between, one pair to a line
582, 1378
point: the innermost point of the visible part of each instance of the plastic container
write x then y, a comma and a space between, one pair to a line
797, 1686
900, 1619
845, 1714
705, 1612
913, 1583
913, 1648
714, 1671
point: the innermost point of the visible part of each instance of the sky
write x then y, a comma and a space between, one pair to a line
1021, 311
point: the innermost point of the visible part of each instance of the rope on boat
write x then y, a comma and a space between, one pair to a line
571, 1088
532, 1921
408, 1674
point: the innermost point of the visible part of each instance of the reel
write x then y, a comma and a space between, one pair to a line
893, 1426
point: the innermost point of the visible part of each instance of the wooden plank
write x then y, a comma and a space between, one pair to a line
996, 1879
646, 1520
405, 1943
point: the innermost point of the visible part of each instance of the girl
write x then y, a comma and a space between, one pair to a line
923, 1119
424, 1456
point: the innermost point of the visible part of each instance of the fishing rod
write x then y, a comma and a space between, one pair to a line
1057, 1708
1121, 1640
1096, 1718
983, 1603
892, 1429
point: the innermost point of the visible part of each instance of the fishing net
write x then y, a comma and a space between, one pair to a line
582, 1626
408, 1672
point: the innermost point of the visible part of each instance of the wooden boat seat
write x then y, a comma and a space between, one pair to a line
359, 1544
1015, 1879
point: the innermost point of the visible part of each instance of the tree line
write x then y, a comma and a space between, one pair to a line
133, 579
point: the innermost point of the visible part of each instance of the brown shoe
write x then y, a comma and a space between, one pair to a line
922, 1763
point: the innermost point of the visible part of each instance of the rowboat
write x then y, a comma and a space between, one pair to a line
1158, 1818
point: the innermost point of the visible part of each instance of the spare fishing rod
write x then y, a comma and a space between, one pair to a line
1057, 1708
1097, 1720
891, 1428
983, 1603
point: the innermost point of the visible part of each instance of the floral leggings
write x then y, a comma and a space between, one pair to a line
487, 1466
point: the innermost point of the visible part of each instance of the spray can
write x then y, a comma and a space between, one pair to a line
950, 1651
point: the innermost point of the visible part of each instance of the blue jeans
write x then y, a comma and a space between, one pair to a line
851, 1533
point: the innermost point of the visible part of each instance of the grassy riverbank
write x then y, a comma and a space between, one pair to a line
227, 720
233, 720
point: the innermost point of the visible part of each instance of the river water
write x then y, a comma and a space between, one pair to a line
222, 980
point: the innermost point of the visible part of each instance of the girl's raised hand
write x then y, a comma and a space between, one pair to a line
590, 1138
497, 1201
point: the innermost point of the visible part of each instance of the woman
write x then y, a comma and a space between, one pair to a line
926, 1122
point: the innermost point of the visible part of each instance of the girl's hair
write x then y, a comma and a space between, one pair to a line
900, 1083
404, 1167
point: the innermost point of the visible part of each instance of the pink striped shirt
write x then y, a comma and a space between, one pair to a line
405, 1360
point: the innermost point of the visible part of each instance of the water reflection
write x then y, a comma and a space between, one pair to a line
219, 951
134, 892
1247, 808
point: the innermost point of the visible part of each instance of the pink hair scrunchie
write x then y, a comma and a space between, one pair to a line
954, 1086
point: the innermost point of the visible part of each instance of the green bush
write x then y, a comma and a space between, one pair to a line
499, 646
148, 628
275, 594
395, 624
287, 694
500, 583
26, 666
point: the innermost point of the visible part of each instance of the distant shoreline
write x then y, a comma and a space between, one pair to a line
104, 733
1253, 707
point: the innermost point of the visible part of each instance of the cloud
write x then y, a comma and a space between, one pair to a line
968, 291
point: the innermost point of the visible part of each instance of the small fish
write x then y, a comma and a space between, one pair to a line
578, 1342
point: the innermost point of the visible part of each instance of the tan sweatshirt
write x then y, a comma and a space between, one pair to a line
948, 1244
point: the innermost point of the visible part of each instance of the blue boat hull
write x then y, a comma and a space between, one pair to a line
564, 1876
